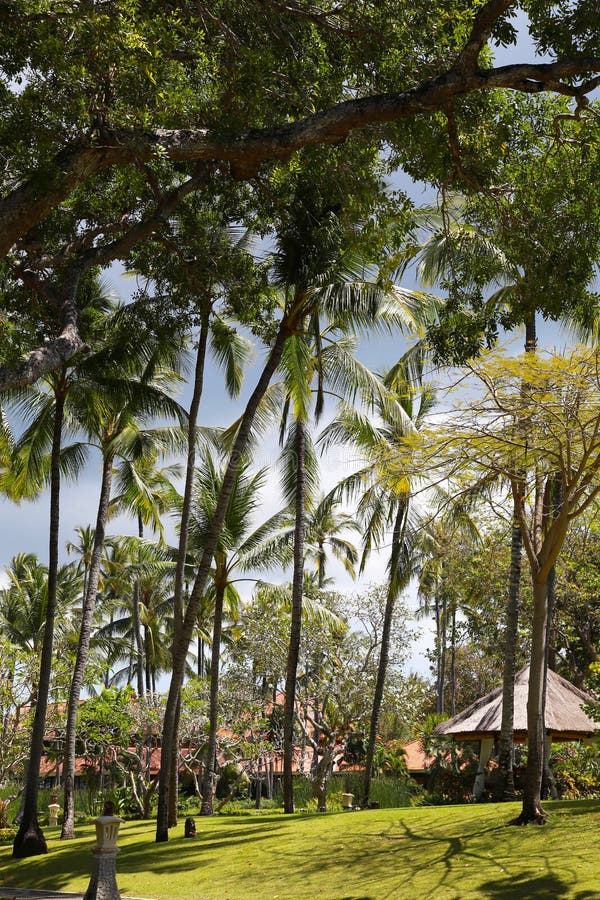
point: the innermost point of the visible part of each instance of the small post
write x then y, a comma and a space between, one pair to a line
53, 810
347, 800
103, 883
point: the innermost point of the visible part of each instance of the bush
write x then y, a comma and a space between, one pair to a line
7, 835
390, 792
576, 768
247, 808
8, 807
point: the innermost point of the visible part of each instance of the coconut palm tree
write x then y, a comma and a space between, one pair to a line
24, 615
24, 603
322, 221
384, 503
39, 457
148, 492
326, 529
240, 548
316, 359
137, 581
111, 412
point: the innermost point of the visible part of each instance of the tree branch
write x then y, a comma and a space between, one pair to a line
484, 22
33, 200
54, 353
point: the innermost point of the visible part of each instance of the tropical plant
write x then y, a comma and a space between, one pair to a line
240, 548
111, 411
384, 502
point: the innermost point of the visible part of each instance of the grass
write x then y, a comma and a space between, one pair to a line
436, 853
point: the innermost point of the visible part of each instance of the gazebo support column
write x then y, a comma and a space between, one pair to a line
549, 788
486, 747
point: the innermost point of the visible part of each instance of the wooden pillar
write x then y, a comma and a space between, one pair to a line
485, 751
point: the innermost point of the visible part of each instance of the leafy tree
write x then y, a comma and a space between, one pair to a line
561, 409
103, 129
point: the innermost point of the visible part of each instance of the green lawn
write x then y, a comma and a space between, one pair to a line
437, 853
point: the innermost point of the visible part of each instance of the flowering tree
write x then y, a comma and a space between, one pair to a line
536, 426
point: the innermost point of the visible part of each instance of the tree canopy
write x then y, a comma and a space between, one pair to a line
113, 113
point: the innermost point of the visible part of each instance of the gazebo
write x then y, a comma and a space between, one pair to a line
565, 720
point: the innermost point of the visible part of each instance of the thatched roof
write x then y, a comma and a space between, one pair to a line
565, 718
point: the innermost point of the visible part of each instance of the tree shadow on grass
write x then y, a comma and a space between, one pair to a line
573, 807
58, 868
533, 887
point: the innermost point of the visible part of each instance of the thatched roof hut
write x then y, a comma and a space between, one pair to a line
565, 719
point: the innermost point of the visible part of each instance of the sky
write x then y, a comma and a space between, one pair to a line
25, 528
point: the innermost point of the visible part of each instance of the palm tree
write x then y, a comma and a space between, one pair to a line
196, 273
47, 409
437, 535
326, 527
24, 615
338, 284
83, 547
240, 548
384, 505
111, 412
137, 589
147, 492
24, 604
453, 245
327, 231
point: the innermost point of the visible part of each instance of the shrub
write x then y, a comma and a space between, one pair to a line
576, 768
7, 835
389, 791
247, 808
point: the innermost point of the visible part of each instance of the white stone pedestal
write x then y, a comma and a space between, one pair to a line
53, 811
103, 883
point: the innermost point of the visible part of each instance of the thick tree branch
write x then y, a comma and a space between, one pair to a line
55, 352
43, 360
69, 342
32, 201
483, 24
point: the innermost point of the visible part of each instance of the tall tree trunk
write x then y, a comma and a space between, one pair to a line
181, 644
87, 616
174, 775
453, 662
506, 783
548, 782
532, 806
438, 649
183, 543
148, 661
259, 783
137, 628
200, 660
442, 678
384, 652
29, 840
210, 775
296, 620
